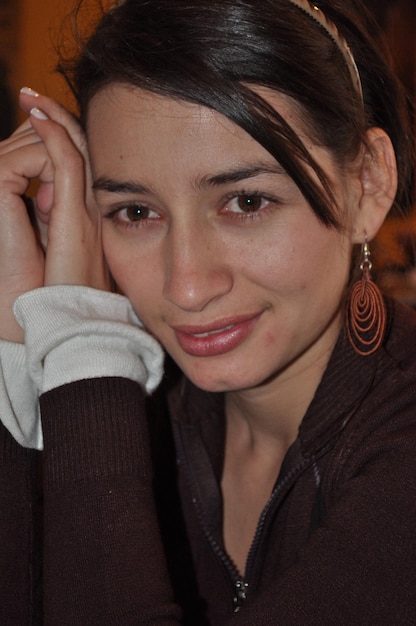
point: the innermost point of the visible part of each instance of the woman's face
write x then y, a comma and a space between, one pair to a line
221, 256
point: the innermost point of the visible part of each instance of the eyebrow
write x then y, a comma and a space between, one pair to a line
240, 173
118, 186
233, 175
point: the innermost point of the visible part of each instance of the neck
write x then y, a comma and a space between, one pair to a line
271, 414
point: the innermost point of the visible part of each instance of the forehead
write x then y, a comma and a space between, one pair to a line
136, 133
127, 109
134, 104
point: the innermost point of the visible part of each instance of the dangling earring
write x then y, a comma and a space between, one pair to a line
366, 312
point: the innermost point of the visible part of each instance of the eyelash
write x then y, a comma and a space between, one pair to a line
231, 215
254, 215
114, 214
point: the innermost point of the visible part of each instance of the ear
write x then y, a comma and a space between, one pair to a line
378, 177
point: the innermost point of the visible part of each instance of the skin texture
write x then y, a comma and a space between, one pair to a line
54, 152
229, 268
197, 262
221, 256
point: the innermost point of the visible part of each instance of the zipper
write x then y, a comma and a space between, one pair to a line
284, 485
240, 585
240, 596
281, 487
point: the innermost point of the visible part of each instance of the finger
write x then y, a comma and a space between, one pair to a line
19, 166
18, 140
74, 253
40, 222
21, 263
68, 166
25, 126
29, 99
20, 231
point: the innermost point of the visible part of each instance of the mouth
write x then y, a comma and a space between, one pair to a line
213, 332
215, 339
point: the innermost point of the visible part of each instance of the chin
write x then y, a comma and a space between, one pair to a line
225, 373
221, 384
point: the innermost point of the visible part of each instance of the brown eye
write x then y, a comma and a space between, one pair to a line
137, 212
250, 204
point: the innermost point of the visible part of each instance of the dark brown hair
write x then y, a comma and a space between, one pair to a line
211, 51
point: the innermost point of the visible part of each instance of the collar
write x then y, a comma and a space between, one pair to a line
345, 384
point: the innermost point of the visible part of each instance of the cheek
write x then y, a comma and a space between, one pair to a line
262, 259
131, 272
294, 252
115, 257
323, 268
312, 262
282, 263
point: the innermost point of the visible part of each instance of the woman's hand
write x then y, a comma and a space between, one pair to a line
64, 244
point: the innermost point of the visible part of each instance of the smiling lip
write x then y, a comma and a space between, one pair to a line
217, 338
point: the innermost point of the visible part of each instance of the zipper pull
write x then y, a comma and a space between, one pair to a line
240, 594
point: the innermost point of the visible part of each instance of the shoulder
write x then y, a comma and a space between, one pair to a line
382, 427
400, 343
394, 386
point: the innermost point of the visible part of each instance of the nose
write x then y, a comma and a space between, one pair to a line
196, 271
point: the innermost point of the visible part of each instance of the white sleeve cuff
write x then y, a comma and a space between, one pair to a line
19, 406
71, 333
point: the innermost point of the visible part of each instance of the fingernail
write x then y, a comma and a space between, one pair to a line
29, 92
40, 115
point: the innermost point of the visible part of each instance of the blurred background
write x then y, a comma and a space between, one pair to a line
26, 51
30, 29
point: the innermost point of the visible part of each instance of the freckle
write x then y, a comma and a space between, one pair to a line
270, 339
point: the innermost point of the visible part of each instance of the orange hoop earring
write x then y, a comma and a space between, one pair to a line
366, 311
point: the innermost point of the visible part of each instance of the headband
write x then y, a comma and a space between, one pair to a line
316, 14
320, 18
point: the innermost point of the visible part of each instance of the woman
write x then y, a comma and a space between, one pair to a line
240, 157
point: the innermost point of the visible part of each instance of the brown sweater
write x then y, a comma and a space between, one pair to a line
336, 543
